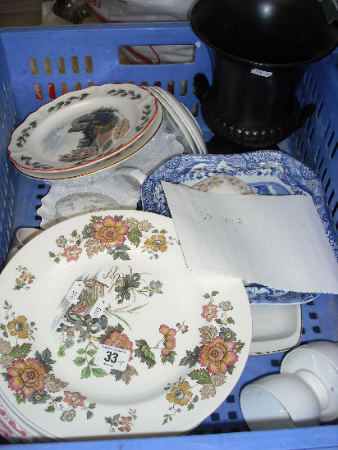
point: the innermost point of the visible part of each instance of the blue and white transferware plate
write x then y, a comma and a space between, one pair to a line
266, 172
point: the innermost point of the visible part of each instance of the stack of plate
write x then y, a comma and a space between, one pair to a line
105, 332
85, 131
182, 118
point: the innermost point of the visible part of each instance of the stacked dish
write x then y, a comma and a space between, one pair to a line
182, 118
96, 340
85, 131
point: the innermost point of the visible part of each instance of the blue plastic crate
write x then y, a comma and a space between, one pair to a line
59, 58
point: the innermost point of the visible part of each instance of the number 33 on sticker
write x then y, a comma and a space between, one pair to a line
112, 357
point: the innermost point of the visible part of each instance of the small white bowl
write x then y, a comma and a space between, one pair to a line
316, 364
279, 401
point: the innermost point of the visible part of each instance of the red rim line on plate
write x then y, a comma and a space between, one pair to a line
89, 162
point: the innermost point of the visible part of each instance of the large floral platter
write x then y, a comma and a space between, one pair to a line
83, 127
105, 332
266, 172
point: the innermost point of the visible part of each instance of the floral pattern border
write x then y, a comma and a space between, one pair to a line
29, 372
212, 361
112, 235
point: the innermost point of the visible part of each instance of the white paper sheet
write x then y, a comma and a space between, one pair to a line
276, 241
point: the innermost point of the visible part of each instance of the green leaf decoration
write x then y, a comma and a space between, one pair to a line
119, 328
230, 320
135, 308
231, 368
6, 376
201, 376
18, 284
195, 399
79, 361
191, 406
19, 398
91, 362
122, 319
90, 414
144, 353
62, 351
206, 296
121, 255
219, 321
213, 293
98, 373
81, 351
134, 236
169, 358
122, 247
120, 252
91, 352
52, 255
58, 399
57, 260
96, 219
45, 359
117, 374
50, 409
92, 405
167, 418
86, 372
74, 233
20, 351
239, 346
191, 358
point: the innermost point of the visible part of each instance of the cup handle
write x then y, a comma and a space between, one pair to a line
133, 173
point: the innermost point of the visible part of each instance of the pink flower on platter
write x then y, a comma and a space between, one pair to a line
169, 339
209, 311
125, 423
217, 355
120, 340
183, 328
74, 399
72, 253
27, 277
110, 232
27, 376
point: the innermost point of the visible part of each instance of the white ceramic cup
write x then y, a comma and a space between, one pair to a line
316, 364
279, 401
